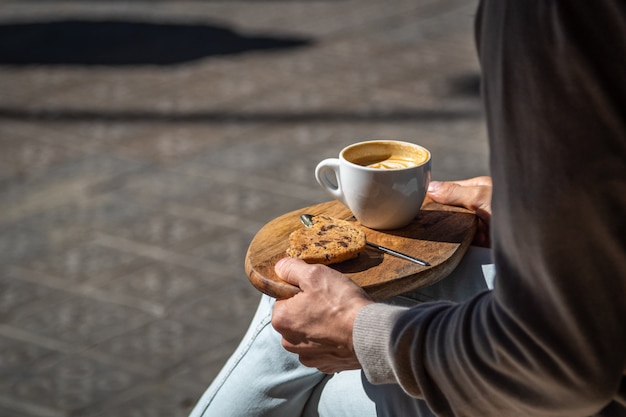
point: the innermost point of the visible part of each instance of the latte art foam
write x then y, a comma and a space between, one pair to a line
393, 163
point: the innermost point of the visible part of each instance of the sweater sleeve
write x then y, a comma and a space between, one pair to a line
550, 339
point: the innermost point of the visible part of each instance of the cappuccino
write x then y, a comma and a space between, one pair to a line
383, 182
387, 155
386, 162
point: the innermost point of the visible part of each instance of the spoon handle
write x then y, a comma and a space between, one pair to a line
398, 254
307, 221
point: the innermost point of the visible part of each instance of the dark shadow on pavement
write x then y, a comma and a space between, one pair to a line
399, 115
85, 43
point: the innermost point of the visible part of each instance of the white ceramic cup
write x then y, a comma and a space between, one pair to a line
383, 182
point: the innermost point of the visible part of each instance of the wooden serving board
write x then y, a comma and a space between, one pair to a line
439, 235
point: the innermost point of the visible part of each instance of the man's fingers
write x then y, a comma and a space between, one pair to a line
449, 193
475, 182
460, 193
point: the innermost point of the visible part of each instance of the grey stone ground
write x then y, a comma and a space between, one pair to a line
130, 186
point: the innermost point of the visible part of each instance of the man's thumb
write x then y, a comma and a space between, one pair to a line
284, 268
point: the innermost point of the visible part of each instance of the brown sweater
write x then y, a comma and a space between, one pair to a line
550, 340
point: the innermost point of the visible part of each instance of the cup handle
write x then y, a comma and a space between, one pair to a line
327, 171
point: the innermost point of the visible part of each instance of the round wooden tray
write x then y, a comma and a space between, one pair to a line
439, 235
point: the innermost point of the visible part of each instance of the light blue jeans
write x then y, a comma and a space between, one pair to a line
263, 379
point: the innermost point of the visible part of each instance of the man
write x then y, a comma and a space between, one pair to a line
550, 340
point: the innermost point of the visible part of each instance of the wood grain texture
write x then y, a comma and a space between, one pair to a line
439, 235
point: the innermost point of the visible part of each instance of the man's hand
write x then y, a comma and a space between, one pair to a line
473, 194
317, 323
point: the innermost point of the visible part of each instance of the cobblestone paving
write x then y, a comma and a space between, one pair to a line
142, 145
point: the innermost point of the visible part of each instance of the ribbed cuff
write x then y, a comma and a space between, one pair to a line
372, 339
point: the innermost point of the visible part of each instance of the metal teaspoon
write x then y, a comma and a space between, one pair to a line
307, 220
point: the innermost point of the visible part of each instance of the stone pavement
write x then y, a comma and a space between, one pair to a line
142, 145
